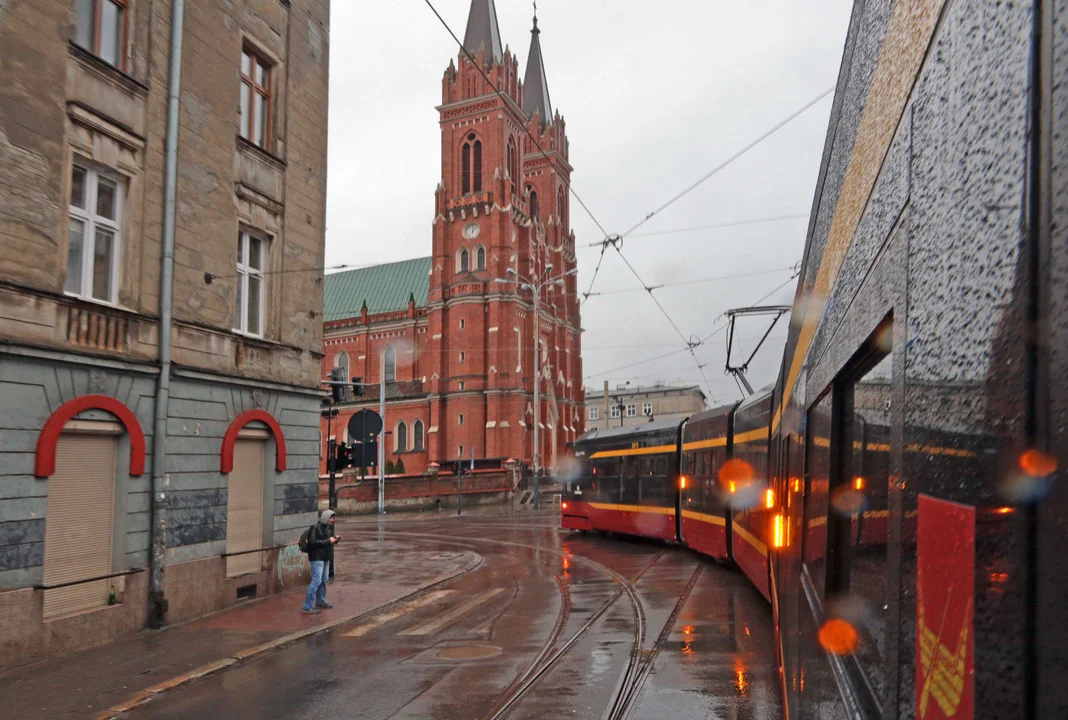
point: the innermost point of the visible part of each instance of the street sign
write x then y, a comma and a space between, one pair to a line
364, 426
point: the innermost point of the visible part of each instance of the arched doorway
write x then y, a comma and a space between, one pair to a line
80, 459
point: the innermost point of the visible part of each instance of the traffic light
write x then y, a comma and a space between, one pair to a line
345, 455
337, 391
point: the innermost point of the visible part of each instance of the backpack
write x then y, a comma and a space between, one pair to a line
304, 540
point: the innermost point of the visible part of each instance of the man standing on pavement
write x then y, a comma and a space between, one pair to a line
321, 541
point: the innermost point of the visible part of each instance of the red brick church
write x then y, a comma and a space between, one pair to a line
456, 347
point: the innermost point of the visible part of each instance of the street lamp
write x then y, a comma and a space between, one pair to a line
535, 286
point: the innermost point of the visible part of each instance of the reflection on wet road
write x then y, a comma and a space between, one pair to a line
551, 625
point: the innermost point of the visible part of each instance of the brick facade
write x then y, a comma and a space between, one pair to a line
470, 344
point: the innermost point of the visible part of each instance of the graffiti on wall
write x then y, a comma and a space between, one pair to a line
291, 562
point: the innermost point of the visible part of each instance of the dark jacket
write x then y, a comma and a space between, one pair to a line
320, 549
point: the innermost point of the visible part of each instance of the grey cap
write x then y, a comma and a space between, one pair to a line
482, 31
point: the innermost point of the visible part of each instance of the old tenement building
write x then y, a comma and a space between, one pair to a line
155, 465
456, 348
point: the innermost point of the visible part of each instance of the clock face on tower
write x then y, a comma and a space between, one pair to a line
471, 231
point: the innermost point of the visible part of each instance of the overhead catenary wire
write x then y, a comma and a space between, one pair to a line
717, 226
616, 241
698, 281
703, 341
730, 160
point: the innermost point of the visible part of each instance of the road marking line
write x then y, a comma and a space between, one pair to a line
451, 616
380, 620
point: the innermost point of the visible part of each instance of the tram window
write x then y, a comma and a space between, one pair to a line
864, 483
818, 464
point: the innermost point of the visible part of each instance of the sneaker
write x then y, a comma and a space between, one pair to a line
325, 606
309, 612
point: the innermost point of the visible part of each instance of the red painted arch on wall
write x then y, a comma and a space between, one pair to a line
45, 462
241, 421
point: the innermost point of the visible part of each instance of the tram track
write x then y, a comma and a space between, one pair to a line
624, 702
640, 660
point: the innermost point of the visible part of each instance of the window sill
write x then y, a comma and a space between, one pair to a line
109, 71
94, 301
255, 149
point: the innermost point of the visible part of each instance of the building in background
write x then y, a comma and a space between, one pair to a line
457, 349
83, 226
628, 405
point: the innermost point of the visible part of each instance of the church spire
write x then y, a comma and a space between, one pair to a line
482, 31
535, 86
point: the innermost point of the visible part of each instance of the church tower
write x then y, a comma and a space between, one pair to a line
502, 203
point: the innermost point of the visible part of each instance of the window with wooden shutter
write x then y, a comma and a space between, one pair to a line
79, 523
244, 508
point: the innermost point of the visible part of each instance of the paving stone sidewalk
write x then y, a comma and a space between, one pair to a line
102, 681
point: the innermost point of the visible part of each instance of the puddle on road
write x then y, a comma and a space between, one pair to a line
469, 652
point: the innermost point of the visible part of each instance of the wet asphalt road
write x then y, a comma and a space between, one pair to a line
552, 625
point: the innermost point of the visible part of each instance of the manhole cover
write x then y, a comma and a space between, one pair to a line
468, 652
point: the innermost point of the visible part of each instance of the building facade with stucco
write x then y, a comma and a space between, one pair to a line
101, 531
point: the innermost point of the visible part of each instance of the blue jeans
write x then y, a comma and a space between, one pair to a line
317, 588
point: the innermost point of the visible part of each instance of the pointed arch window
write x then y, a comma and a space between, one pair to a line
480, 258
513, 163
471, 165
476, 180
390, 364
466, 171
341, 361
464, 261
402, 437
561, 208
534, 209
417, 436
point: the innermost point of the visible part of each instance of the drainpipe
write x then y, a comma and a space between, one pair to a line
157, 602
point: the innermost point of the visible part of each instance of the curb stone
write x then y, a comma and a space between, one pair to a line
144, 696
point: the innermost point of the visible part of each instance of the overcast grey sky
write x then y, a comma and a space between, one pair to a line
655, 95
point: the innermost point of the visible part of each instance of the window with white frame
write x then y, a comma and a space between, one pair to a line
614, 411
93, 234
463, 386
647, 409
402, 437
632, 411
460, 419
593, 413
463, 356
463, 323
251, 261
518, 351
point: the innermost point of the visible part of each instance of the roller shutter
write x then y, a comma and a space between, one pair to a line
79, 523
244, 508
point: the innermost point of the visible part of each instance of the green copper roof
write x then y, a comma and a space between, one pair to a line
385, 288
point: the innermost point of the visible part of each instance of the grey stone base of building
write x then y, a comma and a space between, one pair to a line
34, 386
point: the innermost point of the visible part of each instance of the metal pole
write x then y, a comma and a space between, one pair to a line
536, 291
331, 458
157, 604
382, 444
